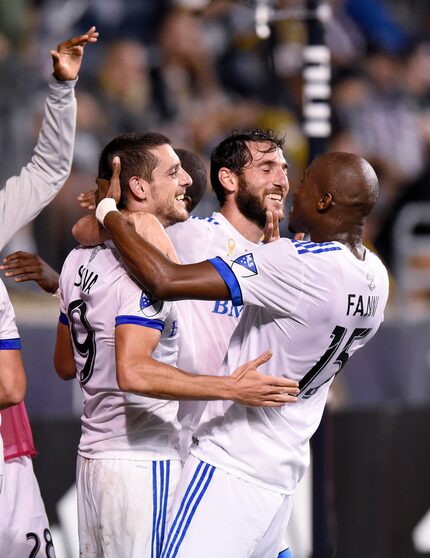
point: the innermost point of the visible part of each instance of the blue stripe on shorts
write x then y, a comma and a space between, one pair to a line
160, 493
190, 502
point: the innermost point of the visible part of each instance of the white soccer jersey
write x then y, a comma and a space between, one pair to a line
96, 295
206, 326
313, 305
9, 340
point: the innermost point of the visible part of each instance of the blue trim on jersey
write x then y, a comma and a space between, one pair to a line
229, 279
309, 247
285, 554
160, 493
63, 319
10, 344
208, 219
136, 320
189, 504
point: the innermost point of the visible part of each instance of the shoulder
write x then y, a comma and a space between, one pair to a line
191, 225
192, 238
306, 247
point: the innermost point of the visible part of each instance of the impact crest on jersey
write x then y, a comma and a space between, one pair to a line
149, 306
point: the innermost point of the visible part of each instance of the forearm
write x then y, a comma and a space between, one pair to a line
165, 279
64, 361
24, 196
156, 379
53, 154
88, 232
13, 381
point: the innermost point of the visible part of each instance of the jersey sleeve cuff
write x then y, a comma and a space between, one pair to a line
135, 320
10, 344
63, 319
229, 279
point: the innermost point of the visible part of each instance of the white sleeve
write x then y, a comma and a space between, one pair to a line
138, 307
270, 276
24, 196
191, 239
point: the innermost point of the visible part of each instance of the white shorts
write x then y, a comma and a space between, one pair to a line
24, 528
216, 514
123, 506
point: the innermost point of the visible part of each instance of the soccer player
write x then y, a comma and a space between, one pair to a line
23, 522
122, 345
316, 303
255, 157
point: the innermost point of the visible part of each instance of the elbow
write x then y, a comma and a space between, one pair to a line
64, 372
163, 289
66, 375
124, 382
134, 383
124, 377
14, 394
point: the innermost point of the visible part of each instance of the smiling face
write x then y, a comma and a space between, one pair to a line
263, 184
167, 187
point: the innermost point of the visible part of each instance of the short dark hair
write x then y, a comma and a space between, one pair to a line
234, 154
196, 168
136, 160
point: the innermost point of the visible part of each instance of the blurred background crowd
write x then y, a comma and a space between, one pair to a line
195, 69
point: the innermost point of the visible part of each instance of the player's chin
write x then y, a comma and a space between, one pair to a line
276, 208
181, 211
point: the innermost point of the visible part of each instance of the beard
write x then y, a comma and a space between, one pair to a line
249, 204
171, 215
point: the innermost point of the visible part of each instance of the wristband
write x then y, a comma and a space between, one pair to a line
104, 207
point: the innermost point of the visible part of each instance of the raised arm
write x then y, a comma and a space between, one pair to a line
165, 279
24, 196
139, 372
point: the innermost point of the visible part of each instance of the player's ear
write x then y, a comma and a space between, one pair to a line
138, 187
228, 179
325, 201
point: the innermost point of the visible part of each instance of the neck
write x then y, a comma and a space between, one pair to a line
248, 229
351, 239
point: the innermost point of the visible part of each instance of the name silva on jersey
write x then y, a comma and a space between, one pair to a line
86, 279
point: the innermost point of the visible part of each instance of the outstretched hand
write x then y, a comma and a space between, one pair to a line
23, 266
67, 58
257, 390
